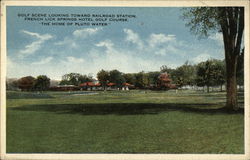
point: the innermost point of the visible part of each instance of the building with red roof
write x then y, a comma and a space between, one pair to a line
90, 85
98, 86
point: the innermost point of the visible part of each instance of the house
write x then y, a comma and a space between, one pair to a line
97, 86
126, 86
90, 86
112, 86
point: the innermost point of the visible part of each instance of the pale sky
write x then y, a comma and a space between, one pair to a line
156, 37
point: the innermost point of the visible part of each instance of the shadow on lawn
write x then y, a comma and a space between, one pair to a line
126, 108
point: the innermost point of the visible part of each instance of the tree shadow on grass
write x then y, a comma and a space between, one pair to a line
128, 108
27, 95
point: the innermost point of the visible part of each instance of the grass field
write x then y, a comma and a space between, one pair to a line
123, 122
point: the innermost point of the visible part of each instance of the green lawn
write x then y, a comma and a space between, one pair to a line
123, 122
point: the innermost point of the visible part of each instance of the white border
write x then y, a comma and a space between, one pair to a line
146, 3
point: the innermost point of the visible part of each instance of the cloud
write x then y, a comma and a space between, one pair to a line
71, 41
67, 41
35, 45
42, 37
217, 37
133, 37
43, 61
74, 60
158, 44
106, 43
120, 58
162, 45
161, 52
18, 69
83, 33
156, 39
201, 58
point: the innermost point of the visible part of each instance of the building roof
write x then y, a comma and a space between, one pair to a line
87, 84
126, 84
90, 84
111, 84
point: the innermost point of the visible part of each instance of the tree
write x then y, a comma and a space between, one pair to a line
153, 78
64, 82
240, 69
142, 80
75, 79
218, 73
165, 69
116, 77
210, 73
42, 83
229, 21
204, 75
188, 73
130, 78
85, 78
164, 81
71, 79
26, 83
182, 75
103, 77
11, 84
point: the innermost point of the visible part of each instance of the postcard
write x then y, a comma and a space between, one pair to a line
125, 80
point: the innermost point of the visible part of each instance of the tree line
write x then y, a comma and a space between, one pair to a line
204, 74
75, 79
29, 83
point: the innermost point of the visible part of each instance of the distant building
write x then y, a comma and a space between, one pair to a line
64, 88
90, 86
125, 86
112, 86
97, 86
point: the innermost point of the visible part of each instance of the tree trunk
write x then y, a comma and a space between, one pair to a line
207, 88
231, 55
231, 103
221, 87
232, 29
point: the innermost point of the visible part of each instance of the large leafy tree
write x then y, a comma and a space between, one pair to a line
218, 73
187, 73
103, 77
130, 78
153, 78
142, 80
70, 79
116, 77
230, 22
42, 83
210, 73
183, 75
204, 74
75, 79
85, 78
26, 83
